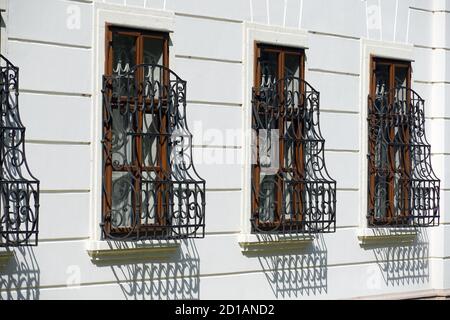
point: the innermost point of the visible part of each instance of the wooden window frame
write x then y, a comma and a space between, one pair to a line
282, 51
390, 218
136, 168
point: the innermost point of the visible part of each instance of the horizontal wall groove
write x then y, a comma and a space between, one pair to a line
431, 82
55, 93
50, 240
49, 43
431, 47
338, 111
333, 72
207, 59
82, 1
58, 142
198, 16
429, 10
59, 191
334, 35
215, 103
209, 146
223, 189
342, 150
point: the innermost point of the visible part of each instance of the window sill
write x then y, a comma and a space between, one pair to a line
117, 252
253, 244
387, 236
5, 258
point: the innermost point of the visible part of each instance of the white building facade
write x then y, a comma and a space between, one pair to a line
63, 50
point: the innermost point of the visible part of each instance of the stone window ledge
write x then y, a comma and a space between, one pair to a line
5, 258
252, 244
387, 236
116, 252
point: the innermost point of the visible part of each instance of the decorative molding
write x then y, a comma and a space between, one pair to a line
254, 32
5, 258
254, 245
146, 253
380, 49
126, 16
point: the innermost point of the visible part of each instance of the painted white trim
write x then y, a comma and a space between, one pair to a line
140, 18
381, 49
3, 27
270, 35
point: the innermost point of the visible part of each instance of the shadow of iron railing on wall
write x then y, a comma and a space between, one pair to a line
176, 278
404, 264
21, 278
297, 273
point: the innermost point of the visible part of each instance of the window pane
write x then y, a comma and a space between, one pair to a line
153, 51
149, 198
292, 65
382, 83
267, 198
150, 140
122, 202
153, 54
401, 76
122, 138
124, 53
269, 67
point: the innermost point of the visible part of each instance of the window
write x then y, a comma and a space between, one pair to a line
403, 189
19, 189
291, 189
150, 187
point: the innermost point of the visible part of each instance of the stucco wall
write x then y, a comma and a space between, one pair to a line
59, 103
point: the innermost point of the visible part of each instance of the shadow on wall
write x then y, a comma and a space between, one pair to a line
177, 278
20, 279
297, 273
404, 264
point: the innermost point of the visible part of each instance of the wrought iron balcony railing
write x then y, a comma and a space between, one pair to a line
151, 189
19, 189
298, 195
403, 188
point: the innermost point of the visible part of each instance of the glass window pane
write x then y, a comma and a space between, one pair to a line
269, 67
150, 140
292, 65
122, 204
153, 51
122, 139
124, 53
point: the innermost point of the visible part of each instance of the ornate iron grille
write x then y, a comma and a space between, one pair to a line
404, 190
151, 189
19, 189
299, 196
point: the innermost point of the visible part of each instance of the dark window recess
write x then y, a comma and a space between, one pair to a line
151, 189
292, 191
403, 190
19, 189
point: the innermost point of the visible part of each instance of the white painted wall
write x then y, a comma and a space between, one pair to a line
56, 53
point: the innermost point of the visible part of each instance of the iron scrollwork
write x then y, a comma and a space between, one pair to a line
19, 189
299, 196
151, 189
404, 187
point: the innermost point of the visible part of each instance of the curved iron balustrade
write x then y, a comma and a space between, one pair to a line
405, 189
19, 189
300, 196
152, 189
